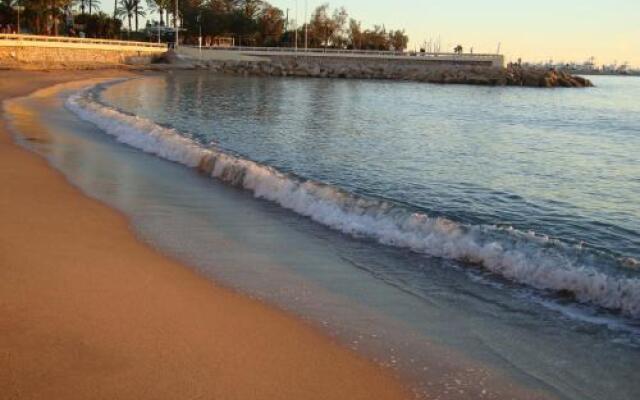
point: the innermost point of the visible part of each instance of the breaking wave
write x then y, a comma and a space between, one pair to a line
521, 257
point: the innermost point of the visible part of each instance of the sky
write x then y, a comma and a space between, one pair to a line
540, 30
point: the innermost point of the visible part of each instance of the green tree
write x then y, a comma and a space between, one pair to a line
161, 7
35, 15
100, 25
256, 22
338, 36
84, 4
375, 39
138, 12
43, 16
398, 40
249, 8
55, 11
270, 25
94, 4
130, 9
7, 13
221, 6
355, 34
243, 26
326, 29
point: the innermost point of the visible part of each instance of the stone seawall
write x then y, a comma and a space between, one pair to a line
406, 62
31, 57
328, 67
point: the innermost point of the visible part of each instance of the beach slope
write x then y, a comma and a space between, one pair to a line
87, 311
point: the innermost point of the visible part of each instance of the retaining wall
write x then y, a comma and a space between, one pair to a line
41, 52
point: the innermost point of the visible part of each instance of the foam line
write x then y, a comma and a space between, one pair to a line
523, 259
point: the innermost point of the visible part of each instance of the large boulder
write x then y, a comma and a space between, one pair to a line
517, 75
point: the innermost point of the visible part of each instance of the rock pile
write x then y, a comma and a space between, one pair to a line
474, 75
522, 76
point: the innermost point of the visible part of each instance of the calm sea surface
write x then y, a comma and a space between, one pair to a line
561, 163
427, 226
551, 174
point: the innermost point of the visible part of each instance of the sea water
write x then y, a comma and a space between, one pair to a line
539, 187
482, 241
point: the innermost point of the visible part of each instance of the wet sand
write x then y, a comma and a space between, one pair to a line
88, 311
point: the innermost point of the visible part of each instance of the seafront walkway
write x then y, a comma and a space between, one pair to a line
34, 51
14, 40
239, 53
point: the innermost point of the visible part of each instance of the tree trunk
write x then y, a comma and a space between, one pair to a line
136, 12
129, 31
55, 19
90, 6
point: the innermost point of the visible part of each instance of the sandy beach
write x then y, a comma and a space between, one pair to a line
87, 311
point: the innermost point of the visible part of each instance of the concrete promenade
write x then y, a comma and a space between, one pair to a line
276, 53
37, 52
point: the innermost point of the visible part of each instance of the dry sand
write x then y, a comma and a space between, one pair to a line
87, 311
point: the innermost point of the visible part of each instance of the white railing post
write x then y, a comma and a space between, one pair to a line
34, 39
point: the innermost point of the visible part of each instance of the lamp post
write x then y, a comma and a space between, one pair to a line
175, 23
200, 34
306, 27
18, 8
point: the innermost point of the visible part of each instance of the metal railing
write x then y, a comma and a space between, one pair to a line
379, 53
85, 41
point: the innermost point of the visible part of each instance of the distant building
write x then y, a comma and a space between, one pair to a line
218, 41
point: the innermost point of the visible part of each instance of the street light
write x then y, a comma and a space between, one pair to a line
200, 33
18, 8
176, 26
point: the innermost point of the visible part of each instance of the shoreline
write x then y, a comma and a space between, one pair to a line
81, 320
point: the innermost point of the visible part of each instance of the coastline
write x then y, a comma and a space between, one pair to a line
88, 311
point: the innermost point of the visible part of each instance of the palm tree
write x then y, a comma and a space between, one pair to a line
93, 4
7, 5
55, 9
161, 6
130, 8
137, 12
152, 7
7, 9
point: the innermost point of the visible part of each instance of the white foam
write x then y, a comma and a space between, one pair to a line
517, 258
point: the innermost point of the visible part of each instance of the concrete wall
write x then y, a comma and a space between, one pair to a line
479, 69
358, 69
193, 53
439, 60
332, 56
378, 62
36, 52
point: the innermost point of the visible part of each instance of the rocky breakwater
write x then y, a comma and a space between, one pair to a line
452, 74
543, 77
